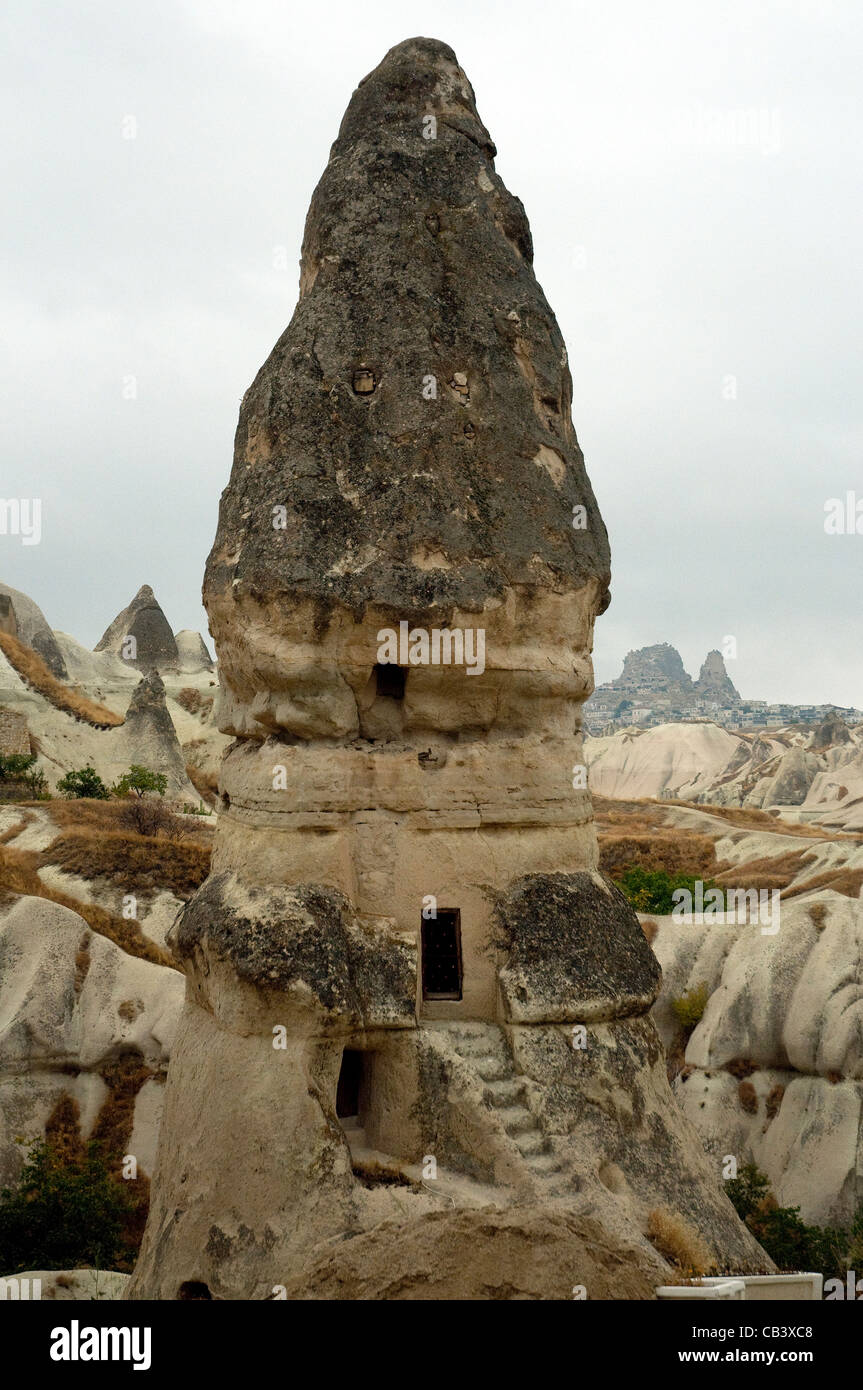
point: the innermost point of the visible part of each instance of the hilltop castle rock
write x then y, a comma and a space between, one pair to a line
415, 1009
657, 673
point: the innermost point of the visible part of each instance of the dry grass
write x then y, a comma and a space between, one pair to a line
740, 1067
678, 1242
650, 928
750, 818
193, 701
748, 1097
140, 863
206, 783
818, 913
774, 1100
33, 671
677, 852
18, 876
124, 1077
770, 871
845, 881
15, 830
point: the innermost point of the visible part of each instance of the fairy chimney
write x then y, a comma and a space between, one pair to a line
405, 948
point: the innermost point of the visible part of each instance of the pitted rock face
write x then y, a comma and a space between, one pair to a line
304, 945
414, 419
576, 951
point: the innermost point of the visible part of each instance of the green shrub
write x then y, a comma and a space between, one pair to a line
66, 1213
140, 780
689, 1008
748, 1190
650, 890
19, 774
86, 782
789, 1241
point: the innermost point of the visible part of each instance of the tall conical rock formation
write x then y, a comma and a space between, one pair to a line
714, 682
405, 945
152, 641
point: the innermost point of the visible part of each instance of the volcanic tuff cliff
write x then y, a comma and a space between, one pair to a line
405, 925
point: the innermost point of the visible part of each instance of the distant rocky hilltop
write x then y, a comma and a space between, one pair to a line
656, 674
654, 688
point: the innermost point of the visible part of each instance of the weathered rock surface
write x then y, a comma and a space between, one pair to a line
821, 773
575, 952
192, 654
71, 1003
527, 1253
148, 737
81, 1285
791, 1006
404, 954
714, 682
31, 626
152, 641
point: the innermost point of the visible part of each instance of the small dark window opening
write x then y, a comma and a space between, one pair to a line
348, 1088
441, 947
391, 681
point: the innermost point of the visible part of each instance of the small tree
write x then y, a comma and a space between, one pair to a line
66, 1213
86, 782
19, 772
140, 780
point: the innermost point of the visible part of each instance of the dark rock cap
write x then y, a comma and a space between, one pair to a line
576, 951
144, 620
414, 419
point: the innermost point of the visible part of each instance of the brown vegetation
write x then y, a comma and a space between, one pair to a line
774, 1100
675, 851
818, 913
741, 1068
371, 1173
18, 876
193, 701
748, 1097
140, 863
768, 872
677, 1241
33, 671
206, 783
845, 881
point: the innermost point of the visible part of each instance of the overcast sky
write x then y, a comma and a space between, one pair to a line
692, 177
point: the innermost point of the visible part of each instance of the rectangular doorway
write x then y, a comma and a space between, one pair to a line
441, 955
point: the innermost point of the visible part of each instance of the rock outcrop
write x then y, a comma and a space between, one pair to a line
141, 635
192, 654
784, 1012
657, 673
148, 737
28, 623
714, 682
820, 772
410, 992
71, 1005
